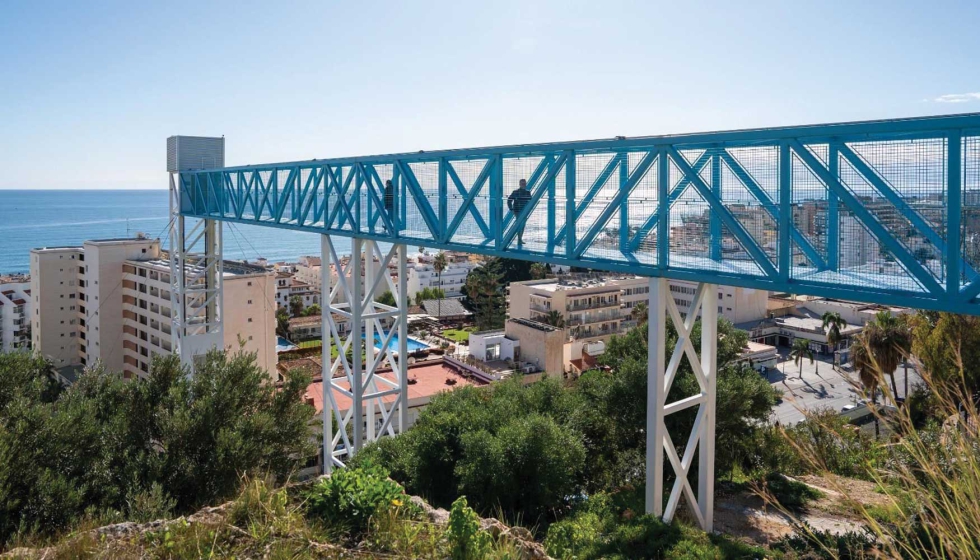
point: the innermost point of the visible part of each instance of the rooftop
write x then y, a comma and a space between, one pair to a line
231, 268
544, 327
430, 377
444, 308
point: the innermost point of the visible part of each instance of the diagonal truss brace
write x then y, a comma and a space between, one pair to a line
660, 378
360, 401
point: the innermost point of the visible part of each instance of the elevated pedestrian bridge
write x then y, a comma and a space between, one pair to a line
885, 211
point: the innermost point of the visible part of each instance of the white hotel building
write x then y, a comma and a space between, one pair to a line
108, 301
423, 275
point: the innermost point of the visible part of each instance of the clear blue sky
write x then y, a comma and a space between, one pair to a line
89, 91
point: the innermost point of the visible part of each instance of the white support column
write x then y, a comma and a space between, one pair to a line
401, 300
656, 367
377, 395
661, 374
327, 329
709, 365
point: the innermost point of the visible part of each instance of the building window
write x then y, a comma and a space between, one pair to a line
249, 319
250, 302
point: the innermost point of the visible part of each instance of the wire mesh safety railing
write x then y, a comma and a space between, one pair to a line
886, 211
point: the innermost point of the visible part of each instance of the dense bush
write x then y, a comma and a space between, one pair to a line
505, 447
349, 498
171, 442
605, 527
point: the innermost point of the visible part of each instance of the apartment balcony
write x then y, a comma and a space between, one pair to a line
539, 307
593, 305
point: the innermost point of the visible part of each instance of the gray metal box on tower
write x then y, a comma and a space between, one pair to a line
185, 153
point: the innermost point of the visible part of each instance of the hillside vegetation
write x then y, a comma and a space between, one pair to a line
108, 468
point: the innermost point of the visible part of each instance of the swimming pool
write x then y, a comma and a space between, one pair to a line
413, 344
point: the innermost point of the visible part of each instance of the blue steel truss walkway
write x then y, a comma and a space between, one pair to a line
884, 211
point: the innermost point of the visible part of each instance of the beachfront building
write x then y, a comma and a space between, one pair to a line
289, 286
108, 301
15, 313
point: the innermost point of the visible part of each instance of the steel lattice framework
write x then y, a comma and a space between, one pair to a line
883, 212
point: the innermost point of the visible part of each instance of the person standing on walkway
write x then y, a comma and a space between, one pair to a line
516, 203
389, 200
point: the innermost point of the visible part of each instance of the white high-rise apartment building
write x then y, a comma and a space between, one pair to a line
108, 301
15, 315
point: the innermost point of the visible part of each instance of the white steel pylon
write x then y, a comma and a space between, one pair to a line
660, 377
362, 400
196, 282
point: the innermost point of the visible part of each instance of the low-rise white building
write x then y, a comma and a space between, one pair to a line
452, 280
15, 314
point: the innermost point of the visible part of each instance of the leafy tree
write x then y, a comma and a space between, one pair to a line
429, 294
387, 298
948, 345
511, 270
104, 443
538, 271
555, 319
505, 447
800, 352
612, 411
833, 323
484, 290
296, 306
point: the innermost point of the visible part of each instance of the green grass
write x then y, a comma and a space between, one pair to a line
458, 335
310, 344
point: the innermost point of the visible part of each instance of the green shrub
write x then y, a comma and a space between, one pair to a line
466, 540
809, 543
348, 499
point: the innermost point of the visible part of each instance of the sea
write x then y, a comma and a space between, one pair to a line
57, 218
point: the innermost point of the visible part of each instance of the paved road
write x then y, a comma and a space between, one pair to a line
821, 386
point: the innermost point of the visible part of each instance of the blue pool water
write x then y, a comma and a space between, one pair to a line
413, 344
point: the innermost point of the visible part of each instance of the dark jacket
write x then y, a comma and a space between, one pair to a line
389, 197
518, 200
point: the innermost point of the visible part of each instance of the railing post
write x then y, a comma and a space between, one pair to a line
954, 183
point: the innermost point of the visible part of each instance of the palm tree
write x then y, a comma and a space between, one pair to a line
439, 265
868, 372
282, 322
639, 313
888, 340
801, 350
555, 319
836, 324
